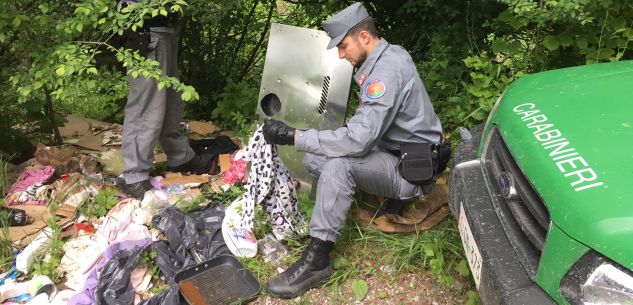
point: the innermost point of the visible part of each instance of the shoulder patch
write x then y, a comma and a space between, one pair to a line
375, 89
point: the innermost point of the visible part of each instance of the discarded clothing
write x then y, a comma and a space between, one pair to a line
89, 294
217, 146
122, 226
269, 183
236, 173
30, 189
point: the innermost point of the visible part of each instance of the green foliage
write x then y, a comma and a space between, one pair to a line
306, 205
359, 289
48, 263
236, 107
47, 46
190, 204
462, 268
6, 246
100, 204
459, 48
225, 197
4, 180
148, 258
101, 98
473, 298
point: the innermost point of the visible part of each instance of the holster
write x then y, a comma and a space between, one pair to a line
137, 40
423, 163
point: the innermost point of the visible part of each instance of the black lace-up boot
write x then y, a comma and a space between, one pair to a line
136, 190
310, 271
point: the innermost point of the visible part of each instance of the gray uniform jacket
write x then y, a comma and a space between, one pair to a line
395, 108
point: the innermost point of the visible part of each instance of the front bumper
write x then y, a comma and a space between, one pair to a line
502, 279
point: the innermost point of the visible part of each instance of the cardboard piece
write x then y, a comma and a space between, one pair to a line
383, 224
162, 157
23, 235
75, 127
112, 138
67, 211
202, 128
225, 162
90, 134
420, 215
185, 181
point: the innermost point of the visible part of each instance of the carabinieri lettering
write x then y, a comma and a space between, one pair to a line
563, 154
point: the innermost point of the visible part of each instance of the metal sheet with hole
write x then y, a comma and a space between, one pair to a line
304, 85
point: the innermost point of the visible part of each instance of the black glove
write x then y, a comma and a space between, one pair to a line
277, 132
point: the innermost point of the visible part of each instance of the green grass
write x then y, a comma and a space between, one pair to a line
437, 250
4, 180
6, 246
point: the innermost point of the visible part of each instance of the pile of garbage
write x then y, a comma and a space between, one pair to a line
74, 238
69, 236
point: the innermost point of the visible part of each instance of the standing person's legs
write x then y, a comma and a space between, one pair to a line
173, 142
143, 122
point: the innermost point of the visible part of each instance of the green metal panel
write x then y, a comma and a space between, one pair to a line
585, 179
560, 253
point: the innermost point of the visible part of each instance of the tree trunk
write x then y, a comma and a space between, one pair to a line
50, 114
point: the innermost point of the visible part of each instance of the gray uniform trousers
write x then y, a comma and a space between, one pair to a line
374, 173
152, 114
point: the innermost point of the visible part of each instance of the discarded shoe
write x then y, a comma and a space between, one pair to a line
312, 270
200, 164
136, 190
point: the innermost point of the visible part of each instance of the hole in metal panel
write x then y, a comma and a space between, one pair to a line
324, 93
271, 104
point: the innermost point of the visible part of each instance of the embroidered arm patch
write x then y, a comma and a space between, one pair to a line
375, 89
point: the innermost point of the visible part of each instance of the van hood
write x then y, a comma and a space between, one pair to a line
571, 133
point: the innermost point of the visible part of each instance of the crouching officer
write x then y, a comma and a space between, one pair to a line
395, 110
154, 114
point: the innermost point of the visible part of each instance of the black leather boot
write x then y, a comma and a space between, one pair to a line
310, 271
394, 206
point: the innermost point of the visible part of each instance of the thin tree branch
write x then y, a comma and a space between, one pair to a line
251, 59
243, 33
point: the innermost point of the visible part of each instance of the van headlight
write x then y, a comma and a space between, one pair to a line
597, 280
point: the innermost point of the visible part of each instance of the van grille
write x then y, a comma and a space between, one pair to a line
523, 214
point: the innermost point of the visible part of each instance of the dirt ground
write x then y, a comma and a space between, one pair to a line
420, 288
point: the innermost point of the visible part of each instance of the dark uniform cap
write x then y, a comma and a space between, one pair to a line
338, 25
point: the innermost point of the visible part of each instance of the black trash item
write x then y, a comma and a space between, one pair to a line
199, 230
222, 280
217, 146
16, 217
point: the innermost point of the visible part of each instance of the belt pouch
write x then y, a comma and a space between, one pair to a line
416, 163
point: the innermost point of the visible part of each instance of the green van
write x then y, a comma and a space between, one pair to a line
543, 191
